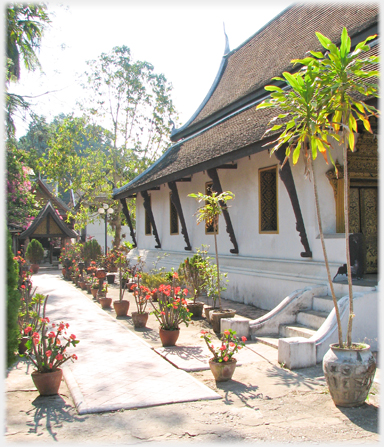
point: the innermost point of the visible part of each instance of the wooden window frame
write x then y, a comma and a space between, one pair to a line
208, 185
269, 168
147, 221
171, 204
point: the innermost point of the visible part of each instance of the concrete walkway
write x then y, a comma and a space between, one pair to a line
115, 368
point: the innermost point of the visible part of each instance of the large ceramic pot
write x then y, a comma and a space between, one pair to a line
169, 338
121, 308
105, 302
139, 319
217, 315
47, 384
349, 374
222, 371
196, 309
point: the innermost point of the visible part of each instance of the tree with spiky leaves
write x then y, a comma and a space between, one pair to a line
322, 102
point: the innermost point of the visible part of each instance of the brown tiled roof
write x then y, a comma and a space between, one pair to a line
251, 67
290, 36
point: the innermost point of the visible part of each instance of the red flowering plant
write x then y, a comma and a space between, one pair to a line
230, 344
47, 349
172, 304
141, 294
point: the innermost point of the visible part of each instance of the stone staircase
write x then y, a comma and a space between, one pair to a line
307, 323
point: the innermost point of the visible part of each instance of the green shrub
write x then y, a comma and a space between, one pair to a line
154, 280
91, 251
13, 303
35, 252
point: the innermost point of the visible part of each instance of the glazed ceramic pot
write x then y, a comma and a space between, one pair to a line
47, 384
349, 374
139, 319
121, 307
169, 338
222, 371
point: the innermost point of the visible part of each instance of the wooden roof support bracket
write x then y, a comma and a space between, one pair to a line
176, 201
147, 206
287, 178
128, 217
212, 173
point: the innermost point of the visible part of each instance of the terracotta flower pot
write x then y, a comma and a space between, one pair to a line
105, 302
22, 345
208, 309
349, 374
121, 307
47, 384
222, 371
139, 320
35, 268
169, 338
94, 292
217, 315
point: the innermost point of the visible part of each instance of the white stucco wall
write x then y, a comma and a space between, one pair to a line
268, 266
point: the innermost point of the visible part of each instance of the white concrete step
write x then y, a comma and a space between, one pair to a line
311, 318
272, 340
295, 330
323, 303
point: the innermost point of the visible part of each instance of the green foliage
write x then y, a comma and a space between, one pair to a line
153, 280
13, 303
192, 271
91, 251
35, 252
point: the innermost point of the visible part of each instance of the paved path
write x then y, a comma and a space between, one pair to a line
115, 368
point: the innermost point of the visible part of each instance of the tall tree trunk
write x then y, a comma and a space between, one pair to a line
346, 229
340, 334
218, 270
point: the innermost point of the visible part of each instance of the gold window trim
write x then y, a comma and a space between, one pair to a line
269, 168
207, 185
170, 217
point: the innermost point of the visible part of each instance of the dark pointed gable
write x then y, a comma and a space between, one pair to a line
48, 224
228, 127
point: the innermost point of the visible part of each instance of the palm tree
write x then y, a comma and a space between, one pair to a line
318, 101
209, 214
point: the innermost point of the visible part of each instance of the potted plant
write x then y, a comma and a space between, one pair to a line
47, 349
91, 251
209, 214
121, 306
142, 296
172, 310
34, 254
192, 271
223, 364
321, 106
104, 301
94, 286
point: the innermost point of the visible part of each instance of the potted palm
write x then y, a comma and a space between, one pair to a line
321, 106
192, 271
121, 306
209, 214
47, 347
34, 254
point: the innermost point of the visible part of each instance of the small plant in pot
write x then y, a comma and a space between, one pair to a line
142, 296
191, 270
172, 310
121, 307
104, 301
94, 286
209, 214
222, 364
321, 107
34, 254
47, 348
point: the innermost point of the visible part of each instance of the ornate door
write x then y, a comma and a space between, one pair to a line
363, 219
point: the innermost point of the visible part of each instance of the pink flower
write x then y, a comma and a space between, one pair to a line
48, 353
59, 357
74, 356
244, 338
73, 336
50, 365
27, 329
226, 332
225, 359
